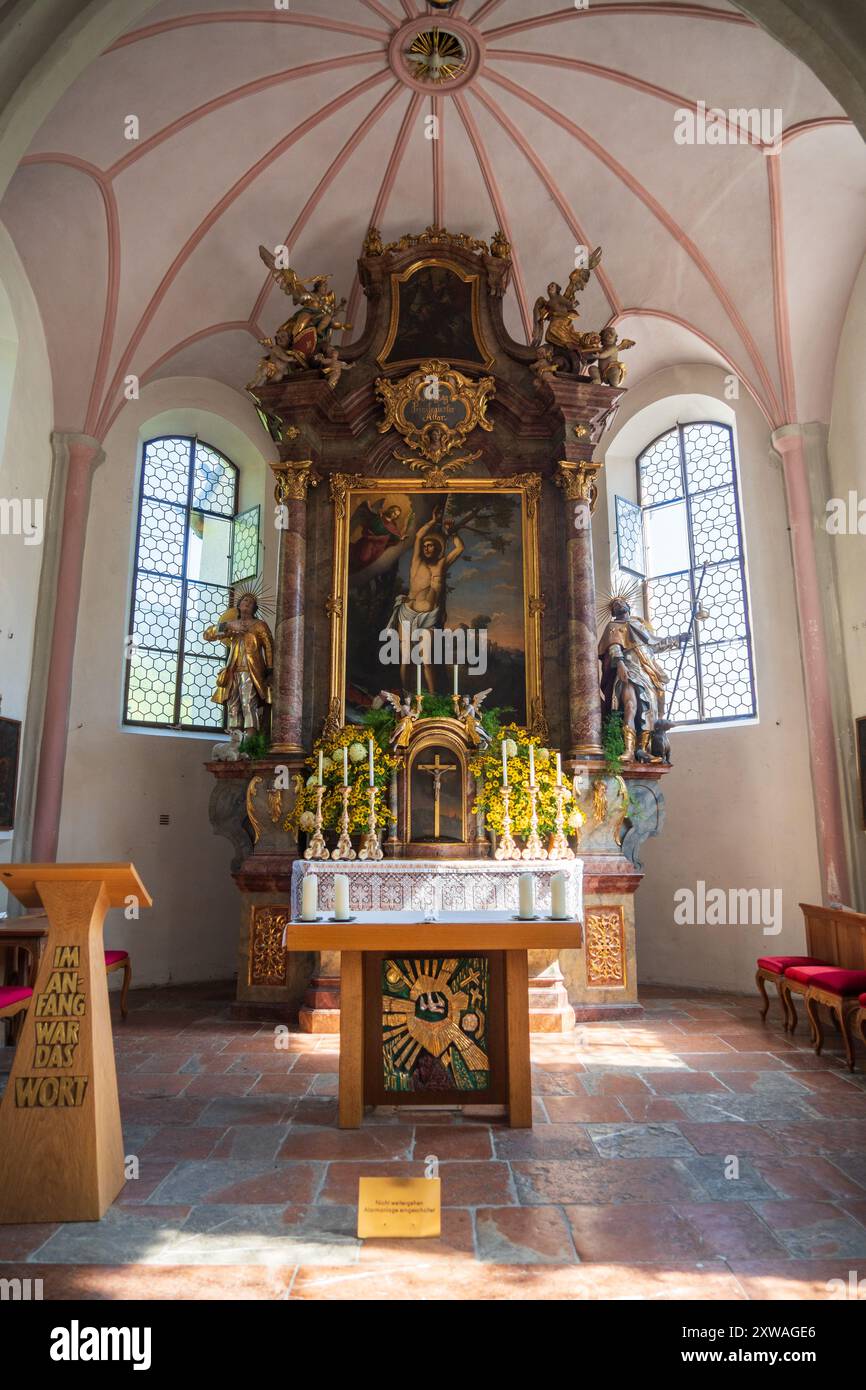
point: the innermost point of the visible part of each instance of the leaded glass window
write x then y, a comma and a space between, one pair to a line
693, 554
185, 545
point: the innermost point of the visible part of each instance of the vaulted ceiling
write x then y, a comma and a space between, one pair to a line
304, 125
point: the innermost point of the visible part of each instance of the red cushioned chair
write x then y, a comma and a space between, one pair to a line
773, 968
119, 960
834, 987
13, 1004
861, 1016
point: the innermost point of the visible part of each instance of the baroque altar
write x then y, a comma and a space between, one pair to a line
434, 487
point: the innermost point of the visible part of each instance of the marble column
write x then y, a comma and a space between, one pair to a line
79, 455
293, 478
577, 481
789, 444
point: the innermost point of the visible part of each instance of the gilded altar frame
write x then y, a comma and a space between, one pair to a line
349, 488
469, 277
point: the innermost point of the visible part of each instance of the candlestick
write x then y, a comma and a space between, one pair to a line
534, 848
372, 849
341, 897
372, 778
418, 679
559, 770
344, 844
456, 671
321, 757
560, 848
317, 849
504, 765
345, 767
531, 766
506, 848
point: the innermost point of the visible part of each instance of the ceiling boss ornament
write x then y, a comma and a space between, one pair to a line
435, 408
435, 55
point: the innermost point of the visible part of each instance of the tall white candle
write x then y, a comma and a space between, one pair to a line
558, 885
504, 765
345, 767
531, 766
418, 679
558, 770
526, 887
309, 896
321, 755
341, 897
372, 778
456, 691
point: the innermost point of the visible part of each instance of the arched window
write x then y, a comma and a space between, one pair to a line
191, 547
683, 539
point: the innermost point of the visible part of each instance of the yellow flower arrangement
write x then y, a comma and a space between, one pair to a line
487, 771
354, 738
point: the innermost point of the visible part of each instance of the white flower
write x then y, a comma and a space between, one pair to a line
357, 752
511, 748
542, 756
327, 764
313, 780
575, 820
307, 821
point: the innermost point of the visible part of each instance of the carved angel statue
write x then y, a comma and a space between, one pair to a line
309, 329
553, 316
277, 361
406, 717
470, 717
607, 366
544, 365
332, 365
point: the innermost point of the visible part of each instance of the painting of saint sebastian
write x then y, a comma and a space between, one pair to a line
423, 608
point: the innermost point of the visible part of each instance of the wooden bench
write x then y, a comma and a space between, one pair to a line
838, 937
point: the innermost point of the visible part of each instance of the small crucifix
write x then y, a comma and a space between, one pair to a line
437, 770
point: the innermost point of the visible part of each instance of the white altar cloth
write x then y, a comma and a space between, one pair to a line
458, 889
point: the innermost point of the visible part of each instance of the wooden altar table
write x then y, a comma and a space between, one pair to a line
407, 943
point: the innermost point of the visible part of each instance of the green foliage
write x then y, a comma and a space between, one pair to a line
380, 723
254, 745
613, 742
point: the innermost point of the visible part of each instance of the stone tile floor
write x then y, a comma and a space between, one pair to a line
693, 1153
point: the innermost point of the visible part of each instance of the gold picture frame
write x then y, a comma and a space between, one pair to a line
348, 488
401, 277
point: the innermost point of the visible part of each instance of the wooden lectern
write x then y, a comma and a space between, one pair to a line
61, 1146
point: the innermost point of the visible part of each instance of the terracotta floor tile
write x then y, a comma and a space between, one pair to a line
633, 1233
808, 1178
382, 1142
800, 1280
455, 1141
584, 1109
283, 1084
732, 1230
598, 1181
647, 1109
814, 1230
524, 1235
614, 1085
457, 1238
734, 1138
177, 1283
182, 1142
693, 1082
464, 1184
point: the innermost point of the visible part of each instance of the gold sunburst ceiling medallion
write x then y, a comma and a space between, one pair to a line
436, 55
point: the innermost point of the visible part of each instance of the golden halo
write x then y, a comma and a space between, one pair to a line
623, 590
254, 588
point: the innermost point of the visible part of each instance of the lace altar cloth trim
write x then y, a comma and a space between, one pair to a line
423, 885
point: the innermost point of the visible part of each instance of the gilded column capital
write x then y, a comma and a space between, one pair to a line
578, 481
292, 479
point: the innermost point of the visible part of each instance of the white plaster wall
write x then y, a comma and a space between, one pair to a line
739, 800
119, 781
847, 457
26, 415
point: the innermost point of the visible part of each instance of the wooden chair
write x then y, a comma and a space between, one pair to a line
119, 960
773, 968
834, 988
860, 1016
13, 1004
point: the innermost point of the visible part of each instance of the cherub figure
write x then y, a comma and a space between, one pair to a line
607, 366
553, 317
332, 365
274, 366
470, 717
406, 717
544, 365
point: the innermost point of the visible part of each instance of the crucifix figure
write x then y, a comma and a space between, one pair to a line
437, 769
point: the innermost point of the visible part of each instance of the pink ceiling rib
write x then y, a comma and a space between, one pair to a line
309, 21
625, 79
710, 342
498, 206
112, 288
260, 84
547, 179
602, 11
439, 163
486, 9
816, 123
333, 169
781, 313
237, 188
654, 206
389, 178
408, 9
